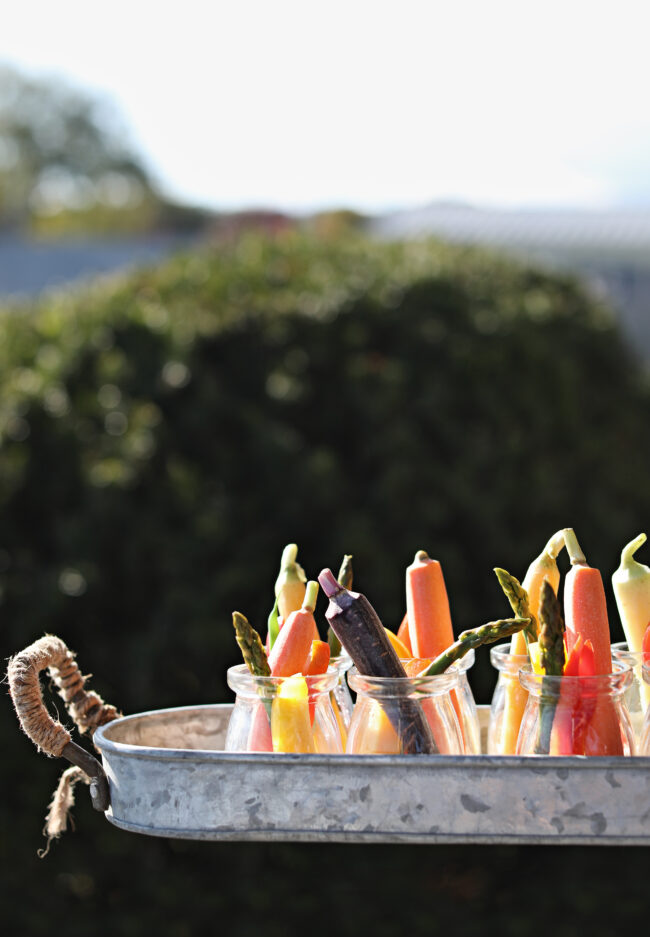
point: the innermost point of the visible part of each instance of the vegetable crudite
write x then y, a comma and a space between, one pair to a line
282, 775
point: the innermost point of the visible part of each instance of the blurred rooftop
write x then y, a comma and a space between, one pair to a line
616, 229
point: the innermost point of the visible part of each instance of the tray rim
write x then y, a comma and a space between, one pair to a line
542, 762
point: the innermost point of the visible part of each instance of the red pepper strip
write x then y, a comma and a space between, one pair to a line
576, 706
586, 703
572, 666
645, 648
259, 736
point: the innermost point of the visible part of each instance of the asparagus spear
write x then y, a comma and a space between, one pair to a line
254, 655
345, 577
551, 652
518, 598
551, 633
486, 634
251, 646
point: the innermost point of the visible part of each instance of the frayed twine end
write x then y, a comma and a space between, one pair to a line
62, 802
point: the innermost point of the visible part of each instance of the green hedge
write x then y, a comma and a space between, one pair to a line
165, 435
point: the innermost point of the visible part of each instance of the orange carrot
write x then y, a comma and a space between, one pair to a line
294, 641
318, 659
427, 607
427, 613
317, 662
403, 634
400, 649
585, 607
585, 612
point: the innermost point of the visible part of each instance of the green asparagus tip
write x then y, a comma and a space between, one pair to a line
346, 574
311, 594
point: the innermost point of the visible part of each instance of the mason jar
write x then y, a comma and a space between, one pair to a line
508, 701
283, 714
644, 744
463, 701
637, 696
404, 715
576, 715
340, 695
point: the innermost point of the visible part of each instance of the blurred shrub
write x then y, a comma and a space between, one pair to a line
165, 435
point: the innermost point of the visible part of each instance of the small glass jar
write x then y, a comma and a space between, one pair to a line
637, 696
508, 701
465, 706
404, 715
265, 720
644, 743
576, 715
341, 700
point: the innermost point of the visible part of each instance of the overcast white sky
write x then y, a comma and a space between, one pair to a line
369, 104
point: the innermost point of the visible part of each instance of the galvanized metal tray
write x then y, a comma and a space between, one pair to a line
169, 776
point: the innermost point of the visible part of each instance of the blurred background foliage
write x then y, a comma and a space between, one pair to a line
164, 435
68, 167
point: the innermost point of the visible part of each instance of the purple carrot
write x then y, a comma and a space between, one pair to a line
360, 631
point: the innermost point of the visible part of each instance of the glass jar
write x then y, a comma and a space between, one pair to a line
465, 706
637, 696
644, 742
340, 695
404, 715
576, 715
282, 714
508, 701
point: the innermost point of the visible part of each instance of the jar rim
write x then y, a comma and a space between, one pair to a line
621, 651
614, 683
342, 662
436, 685
502, 660
242, 681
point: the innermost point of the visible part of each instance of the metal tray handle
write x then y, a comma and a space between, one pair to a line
87, 708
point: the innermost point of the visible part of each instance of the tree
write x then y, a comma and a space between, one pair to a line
66, 163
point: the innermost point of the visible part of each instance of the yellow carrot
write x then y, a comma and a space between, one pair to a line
290, 723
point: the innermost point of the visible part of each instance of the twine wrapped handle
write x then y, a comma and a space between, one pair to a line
87, 709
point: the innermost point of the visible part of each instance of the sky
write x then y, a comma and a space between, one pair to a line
370, 105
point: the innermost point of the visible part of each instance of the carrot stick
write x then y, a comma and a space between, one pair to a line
403, 634
427, 607
585, 606
318, 659
400, 649
427, 613
317, 662
585, 612
294, 641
